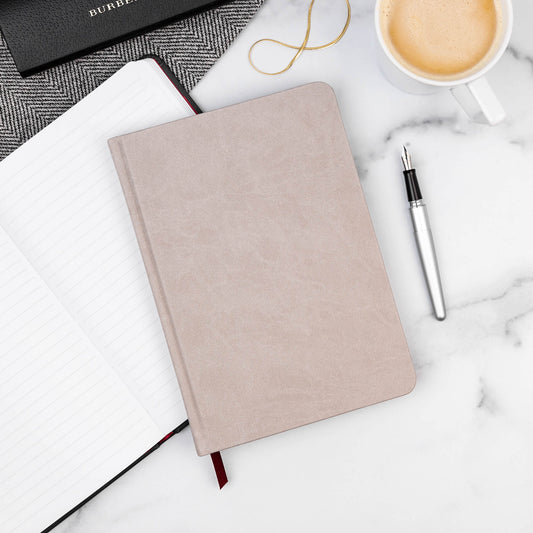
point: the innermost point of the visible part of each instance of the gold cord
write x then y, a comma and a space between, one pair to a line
300, 49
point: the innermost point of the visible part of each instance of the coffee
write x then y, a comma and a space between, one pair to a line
441, 39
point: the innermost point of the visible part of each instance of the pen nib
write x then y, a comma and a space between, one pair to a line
406, 159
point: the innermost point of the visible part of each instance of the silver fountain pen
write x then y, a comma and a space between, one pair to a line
424, 239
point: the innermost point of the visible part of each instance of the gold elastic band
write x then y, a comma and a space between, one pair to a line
300, 49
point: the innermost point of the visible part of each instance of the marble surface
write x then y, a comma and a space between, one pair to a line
455, 454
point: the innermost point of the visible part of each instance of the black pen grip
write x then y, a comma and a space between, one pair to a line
411, 184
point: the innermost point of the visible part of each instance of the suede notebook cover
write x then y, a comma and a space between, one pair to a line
265, 267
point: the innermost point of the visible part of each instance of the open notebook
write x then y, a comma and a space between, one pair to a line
86, 381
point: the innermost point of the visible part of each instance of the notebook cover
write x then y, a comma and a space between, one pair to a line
264, 265
62, 30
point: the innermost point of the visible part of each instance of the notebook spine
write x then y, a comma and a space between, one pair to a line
121, 162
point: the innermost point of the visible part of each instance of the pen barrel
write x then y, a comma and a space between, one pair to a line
428, 257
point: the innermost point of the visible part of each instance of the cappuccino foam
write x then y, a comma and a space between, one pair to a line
441, 39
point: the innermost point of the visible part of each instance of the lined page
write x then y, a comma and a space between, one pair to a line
68, 423
62, 204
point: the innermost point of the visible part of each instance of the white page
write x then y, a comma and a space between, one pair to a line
68, 422
62, 203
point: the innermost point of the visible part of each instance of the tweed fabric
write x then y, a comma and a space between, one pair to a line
190, 47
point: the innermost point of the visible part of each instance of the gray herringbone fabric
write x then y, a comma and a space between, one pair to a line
190, 47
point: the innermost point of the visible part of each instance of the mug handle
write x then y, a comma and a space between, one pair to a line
479, 101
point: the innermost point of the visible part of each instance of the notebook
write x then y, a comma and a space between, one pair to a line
265, 267
86, 380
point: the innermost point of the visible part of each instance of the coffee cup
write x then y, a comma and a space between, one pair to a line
419, 54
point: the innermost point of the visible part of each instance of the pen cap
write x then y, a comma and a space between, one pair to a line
411, 184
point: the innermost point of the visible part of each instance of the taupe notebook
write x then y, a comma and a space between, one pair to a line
265, 267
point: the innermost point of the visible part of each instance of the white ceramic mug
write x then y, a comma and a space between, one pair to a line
473, 92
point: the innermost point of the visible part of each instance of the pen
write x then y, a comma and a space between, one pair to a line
424, 239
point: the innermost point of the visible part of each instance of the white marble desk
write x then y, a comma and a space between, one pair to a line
456, 455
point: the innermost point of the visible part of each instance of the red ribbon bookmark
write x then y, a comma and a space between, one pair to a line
220, 471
